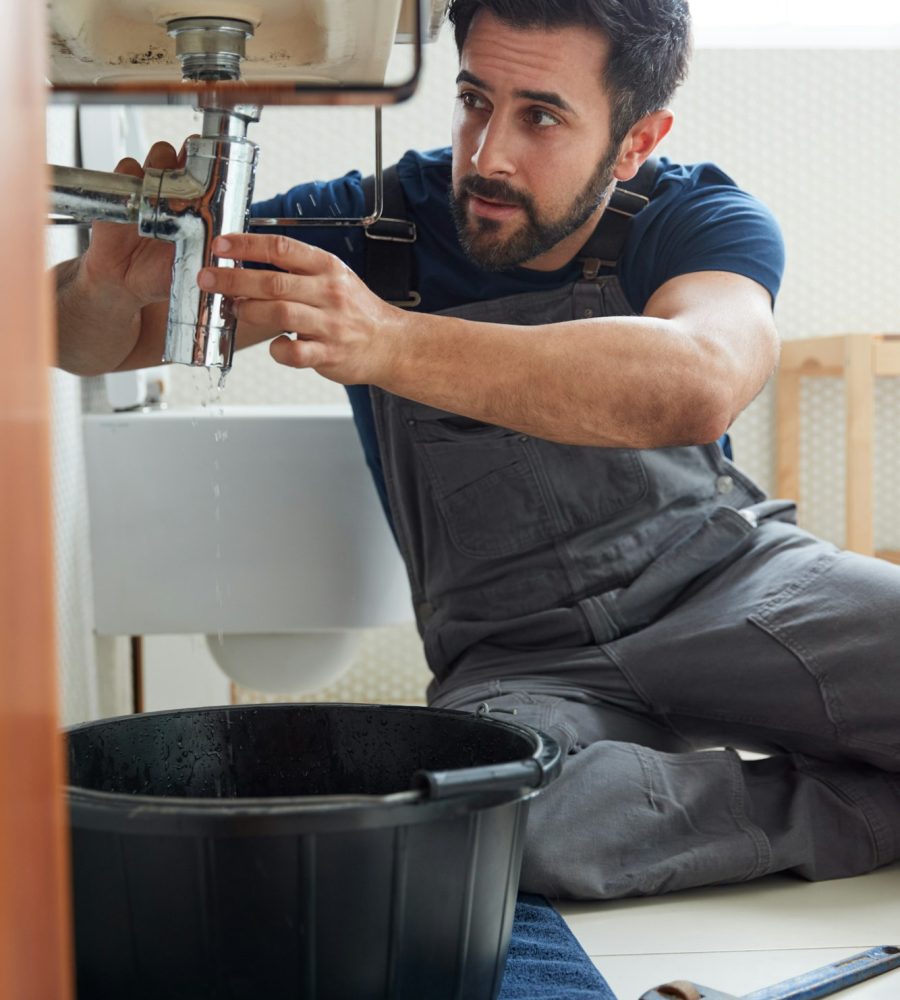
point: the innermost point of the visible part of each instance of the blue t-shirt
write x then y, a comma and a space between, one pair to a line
697, 220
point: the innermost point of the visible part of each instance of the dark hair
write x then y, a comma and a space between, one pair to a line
650, 44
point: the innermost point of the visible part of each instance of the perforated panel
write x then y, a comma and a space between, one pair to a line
822, 458
389, 669
793, 128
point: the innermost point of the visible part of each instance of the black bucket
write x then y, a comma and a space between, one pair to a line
347, 852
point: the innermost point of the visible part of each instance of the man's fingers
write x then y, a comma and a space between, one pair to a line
280, 251
270, 286
298, 353
129, 166
238, 283
162, 156
182, 153
279, 314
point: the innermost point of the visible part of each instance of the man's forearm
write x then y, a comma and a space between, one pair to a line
588, 382
678, 374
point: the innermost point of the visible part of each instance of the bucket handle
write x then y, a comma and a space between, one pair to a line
534, 772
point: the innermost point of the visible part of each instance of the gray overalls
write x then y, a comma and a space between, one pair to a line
642, 606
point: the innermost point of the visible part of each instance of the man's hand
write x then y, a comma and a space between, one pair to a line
343, 331
101, 296
118, 255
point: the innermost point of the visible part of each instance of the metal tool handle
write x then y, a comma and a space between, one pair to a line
831, 978
808, 986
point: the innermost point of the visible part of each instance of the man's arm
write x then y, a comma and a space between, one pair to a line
678, 374
113, 301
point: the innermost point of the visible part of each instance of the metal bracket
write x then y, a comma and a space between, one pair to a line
364, 221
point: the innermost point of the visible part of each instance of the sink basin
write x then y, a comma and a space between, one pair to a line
103, 42
244, 523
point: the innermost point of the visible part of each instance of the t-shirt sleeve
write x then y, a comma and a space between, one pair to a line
715, 227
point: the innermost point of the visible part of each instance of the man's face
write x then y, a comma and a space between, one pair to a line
532, 158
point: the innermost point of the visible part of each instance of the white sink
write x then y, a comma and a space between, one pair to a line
240, 522
325, 41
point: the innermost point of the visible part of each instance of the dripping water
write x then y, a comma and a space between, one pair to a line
211, 400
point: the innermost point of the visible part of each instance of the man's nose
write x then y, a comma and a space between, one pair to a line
494, 153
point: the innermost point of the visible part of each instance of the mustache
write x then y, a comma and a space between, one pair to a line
496, 190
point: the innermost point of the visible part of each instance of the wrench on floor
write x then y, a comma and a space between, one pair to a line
808, 986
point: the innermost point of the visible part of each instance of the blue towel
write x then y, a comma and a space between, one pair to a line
545, 962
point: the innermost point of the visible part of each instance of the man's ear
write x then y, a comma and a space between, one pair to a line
640, 142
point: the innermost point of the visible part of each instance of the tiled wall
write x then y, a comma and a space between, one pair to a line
808, 132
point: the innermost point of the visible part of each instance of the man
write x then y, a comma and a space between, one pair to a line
544, 433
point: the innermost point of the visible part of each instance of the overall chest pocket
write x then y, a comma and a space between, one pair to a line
502, 493
590, 487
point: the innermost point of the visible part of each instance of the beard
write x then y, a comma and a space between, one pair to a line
480, 238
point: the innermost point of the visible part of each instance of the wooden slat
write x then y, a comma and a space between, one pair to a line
887, 355
860, 488
787, 435
813, 356
888, 556
35, 938
136, 644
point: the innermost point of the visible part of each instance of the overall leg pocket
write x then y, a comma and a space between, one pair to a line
544, 712
840, 620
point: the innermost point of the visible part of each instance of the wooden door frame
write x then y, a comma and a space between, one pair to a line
35, 922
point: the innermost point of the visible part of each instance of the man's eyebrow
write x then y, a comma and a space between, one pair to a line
464, 76
544, 96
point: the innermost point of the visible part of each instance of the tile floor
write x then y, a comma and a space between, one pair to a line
740, 938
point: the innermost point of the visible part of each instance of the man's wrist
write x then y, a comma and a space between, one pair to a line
396, 347
96, 321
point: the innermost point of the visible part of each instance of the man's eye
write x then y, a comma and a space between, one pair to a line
470, 100
541, 118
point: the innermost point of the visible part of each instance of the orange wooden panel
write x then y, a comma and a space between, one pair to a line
35, 937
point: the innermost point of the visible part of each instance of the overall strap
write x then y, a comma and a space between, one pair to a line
390, 262
605, 245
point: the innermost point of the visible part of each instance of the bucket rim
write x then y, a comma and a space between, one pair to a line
537, 768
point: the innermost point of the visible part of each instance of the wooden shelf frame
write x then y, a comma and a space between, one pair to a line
859, 359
